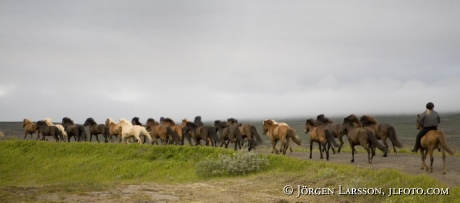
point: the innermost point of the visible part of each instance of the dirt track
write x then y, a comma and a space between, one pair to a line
407, 163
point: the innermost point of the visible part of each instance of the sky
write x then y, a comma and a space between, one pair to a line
221, 59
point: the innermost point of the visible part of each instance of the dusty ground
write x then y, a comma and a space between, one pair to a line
258, 188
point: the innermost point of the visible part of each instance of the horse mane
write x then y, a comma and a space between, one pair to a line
321, 118
123, 120
136, 121
185, 120
48, 121
110, 121
91, 121
26, 121
233, 120
41, 122
269, 121
368, 120
311, 122
151, 120
192, 124
169, 120
352, 119
67, 120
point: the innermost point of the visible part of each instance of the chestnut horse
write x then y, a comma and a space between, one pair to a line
164, 132
382, 131
30, 128
96, 129
320, 135
364, 136
430, 141
113, 129
279, 132
177, 129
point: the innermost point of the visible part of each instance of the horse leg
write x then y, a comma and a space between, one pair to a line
369, 156
430, 151
424, 153
352, 152
97, 138
384, 140
327, 150
311, 147
273, 147
320, 149
341, 144
443, 162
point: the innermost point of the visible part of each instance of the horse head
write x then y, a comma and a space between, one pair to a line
309, 124
352, 120
135, 121
25, 122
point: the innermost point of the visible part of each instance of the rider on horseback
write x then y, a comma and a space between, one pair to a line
429, 120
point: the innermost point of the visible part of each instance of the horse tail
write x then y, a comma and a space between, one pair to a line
392, 136
257, 136
82, 132
147, 134
170, 131
330, 137
291, 134
373, 140
442, 140
212, 133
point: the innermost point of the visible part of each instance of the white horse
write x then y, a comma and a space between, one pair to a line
128, 130
58, 126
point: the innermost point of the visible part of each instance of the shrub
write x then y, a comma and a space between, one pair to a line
239, 163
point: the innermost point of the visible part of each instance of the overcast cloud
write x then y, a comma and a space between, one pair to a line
220, 59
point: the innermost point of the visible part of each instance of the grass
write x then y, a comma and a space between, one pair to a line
77, 168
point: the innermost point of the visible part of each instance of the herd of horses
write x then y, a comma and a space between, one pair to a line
364, 131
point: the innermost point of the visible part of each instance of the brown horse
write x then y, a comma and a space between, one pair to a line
46, 130
364, 136
113, 129
30, 128
177, 129
77, 131
279, 132
320, 135
336, 129
248, 132
381, 131
164, 132
430, 141
228, 134
206, 133
96, 129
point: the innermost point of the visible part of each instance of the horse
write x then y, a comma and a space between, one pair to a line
382, 131
364, 136
30, 128
164, 132
127, 130
279, 132
197, 121
247, 131
206, 133
46, 130
320, 135
96, 129
228, 134
336, 129
135, 121
112, 127
77, 131
60, 127
177, 129
431, 140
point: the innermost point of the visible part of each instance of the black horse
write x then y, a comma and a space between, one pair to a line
46, 130
96, 129
206, 133
228, 134
77, 131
